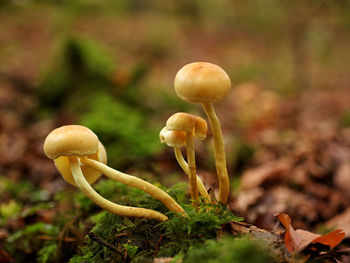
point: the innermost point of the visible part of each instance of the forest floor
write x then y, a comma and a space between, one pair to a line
288, 152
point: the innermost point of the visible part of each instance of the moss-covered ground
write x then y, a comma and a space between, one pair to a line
87, 234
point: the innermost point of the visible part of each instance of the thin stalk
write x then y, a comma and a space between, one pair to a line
184, 166
192, 167
136, 182
106, 204
219, 153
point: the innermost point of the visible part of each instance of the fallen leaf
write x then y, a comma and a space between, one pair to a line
307, 238
297, 240
331, 239
292, 240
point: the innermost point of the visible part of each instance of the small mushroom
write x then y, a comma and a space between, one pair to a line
176, 139
205, 83
189, 124
77, 144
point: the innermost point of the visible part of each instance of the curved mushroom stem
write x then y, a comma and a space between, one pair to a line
192, 174
106, 204
183, 164
133, 181
220, 157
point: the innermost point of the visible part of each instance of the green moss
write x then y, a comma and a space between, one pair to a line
137, 240
201, 224
229, 250
140, 240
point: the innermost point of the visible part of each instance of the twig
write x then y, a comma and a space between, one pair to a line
104, 243
158, 244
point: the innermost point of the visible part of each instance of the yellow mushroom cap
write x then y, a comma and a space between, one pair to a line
200, 82
74, 140
181, 121
184, 122
70, 140
172, 138
91, 175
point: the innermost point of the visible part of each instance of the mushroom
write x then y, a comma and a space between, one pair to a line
176, 139
73, 145
205, 83
192, 126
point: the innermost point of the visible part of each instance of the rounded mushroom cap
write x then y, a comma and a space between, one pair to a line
70, 140
91, 175
200, 82
181, 121
172, 138
184, 122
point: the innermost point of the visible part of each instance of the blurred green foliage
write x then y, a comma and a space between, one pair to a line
80, 69
9, 210
123, 129
345, 119
22, 191
229, 250
82, 81
26, 240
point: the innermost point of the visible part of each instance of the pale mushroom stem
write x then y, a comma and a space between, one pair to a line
192, 167
183, 164
219, 152
106, 204
133, 181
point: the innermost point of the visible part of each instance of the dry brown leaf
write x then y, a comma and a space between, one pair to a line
331, 239
296, 241
292, 240
307, 238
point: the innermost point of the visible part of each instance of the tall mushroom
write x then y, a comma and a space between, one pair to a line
176, 139
73, 145
192, 126
205, 83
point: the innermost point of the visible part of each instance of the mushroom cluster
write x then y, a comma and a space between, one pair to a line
81, 158
206, 83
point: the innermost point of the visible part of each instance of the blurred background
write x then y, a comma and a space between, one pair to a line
110, 65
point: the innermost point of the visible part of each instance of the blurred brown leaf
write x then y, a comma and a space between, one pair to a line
341, 221
274, 170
